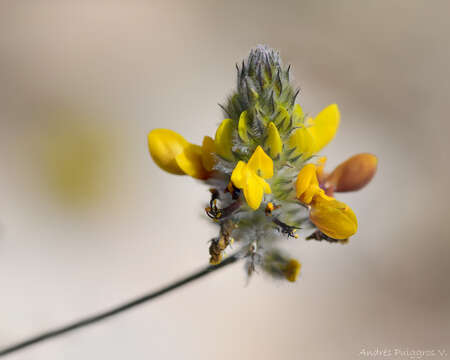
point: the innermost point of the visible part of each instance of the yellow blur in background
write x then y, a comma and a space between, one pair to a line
87, 220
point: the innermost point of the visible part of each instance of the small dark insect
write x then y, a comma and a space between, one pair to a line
270, 207
212, 210
289, 230
216, 213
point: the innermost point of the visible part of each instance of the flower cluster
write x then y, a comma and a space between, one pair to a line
266, 180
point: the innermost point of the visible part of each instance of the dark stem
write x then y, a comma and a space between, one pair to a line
118, 309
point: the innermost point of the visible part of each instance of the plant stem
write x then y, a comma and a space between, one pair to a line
118, 309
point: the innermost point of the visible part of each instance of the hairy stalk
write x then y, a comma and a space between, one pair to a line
118, 309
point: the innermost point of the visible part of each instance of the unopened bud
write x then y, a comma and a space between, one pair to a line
353, 174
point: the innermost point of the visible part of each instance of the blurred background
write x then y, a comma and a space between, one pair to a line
87, 220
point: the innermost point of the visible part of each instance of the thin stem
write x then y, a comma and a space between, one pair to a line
118, 309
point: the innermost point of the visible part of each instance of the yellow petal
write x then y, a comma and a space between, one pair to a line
190, 161
208, 150
303, 141
239, 175
164, 145
274, 140
309, 194
261, 163
307, 185
223, 139
354, 173
266, 186
333, 218
253, 190
245, 177
253, 185
320, 165
242, 127
325, 126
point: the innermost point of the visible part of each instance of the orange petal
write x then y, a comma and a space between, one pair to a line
353, 174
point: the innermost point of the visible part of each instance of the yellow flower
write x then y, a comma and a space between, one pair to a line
172, 153
307, 185
331, 216
250, 177
313, 136
250, 164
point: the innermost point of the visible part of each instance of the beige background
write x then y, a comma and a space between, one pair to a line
88, 221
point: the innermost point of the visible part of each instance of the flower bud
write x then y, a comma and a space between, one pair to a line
243, 127
353, 174
223, 140
274, 140
172, 153
164, 146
